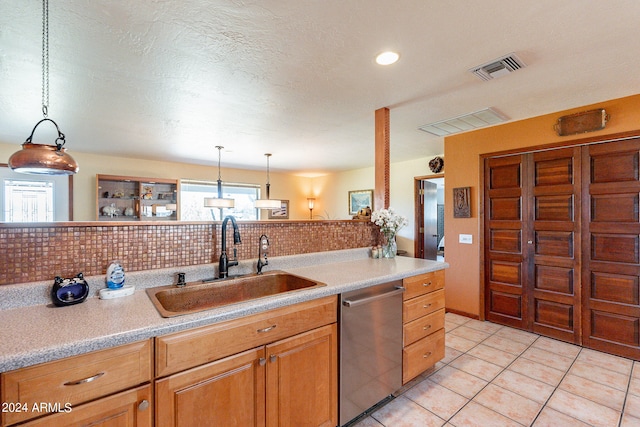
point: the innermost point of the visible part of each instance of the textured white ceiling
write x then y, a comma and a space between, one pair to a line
297, 78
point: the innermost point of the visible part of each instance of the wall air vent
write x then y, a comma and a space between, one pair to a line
498, 67
478, 119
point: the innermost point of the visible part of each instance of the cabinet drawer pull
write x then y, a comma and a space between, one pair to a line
85, 380
260, 331
426, 306
427, 355
142, 406
426, 284
426, 328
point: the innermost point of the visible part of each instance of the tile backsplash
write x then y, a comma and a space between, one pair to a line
40, 252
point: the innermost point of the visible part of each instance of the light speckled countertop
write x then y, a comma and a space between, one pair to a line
32, 334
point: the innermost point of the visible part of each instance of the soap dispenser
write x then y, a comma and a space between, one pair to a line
115, 283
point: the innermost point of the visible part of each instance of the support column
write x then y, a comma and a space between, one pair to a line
382, 156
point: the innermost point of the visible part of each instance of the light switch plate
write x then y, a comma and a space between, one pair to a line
467, 239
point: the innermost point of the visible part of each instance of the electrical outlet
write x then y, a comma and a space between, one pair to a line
466, 239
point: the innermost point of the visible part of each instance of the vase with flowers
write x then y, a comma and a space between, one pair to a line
390, 223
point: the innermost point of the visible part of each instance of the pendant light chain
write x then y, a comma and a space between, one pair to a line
45, 58
219, 149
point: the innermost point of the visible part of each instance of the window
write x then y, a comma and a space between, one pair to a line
33, 198
28, 201
192, 194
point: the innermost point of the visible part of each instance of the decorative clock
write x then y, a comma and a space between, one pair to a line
436, 164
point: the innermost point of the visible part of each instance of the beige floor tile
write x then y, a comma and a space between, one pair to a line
583, 409
505, 344
537, 371
517, 335
367, 422
524, 386
402, 412
470, 333
493, 355
607, 361
449, 325
632, 406
487, 327
456, 318
600, 375
450, 354
557, 347
547, 358
478, 367
551, 418
636, 370
437, 399
629, 421
458, 381
634, 386
458, 343
509, 404
475, 415
599, 393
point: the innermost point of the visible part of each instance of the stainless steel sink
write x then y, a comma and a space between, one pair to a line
197, 296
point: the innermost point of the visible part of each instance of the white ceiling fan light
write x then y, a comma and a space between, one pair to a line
387, 58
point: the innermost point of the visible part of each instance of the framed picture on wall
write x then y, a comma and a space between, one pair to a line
360, 199
282, 213
462, 202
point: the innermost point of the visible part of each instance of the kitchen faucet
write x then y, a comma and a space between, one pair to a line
262, 252
224, 264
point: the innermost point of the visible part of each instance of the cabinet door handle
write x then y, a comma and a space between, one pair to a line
272, 358
426, 284
142, 406
260, 331
426, 306
262, 361
426, 328
427, 355
85, 380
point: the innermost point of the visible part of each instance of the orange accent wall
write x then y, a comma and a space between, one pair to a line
463, 155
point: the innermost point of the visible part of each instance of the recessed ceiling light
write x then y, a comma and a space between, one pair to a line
387, 58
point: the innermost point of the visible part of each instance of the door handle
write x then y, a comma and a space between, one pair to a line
354, 303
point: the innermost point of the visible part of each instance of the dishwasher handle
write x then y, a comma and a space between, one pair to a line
357, 302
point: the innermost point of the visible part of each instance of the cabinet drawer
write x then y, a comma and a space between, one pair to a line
76, 379
130, 408
423, 284
421, 306
183, 350
422, 355
423, 326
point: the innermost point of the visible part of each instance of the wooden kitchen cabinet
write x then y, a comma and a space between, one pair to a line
131, 408
68, 383
423, 323
276, 368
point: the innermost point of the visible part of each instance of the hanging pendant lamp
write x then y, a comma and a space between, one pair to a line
218, 202
268, 203
43, 159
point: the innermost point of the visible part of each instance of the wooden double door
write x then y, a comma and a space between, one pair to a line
561, 237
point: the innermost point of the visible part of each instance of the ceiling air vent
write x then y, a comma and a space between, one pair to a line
498, 67
475, 120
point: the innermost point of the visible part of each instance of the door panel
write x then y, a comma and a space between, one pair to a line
430, 221
505, 300
611, 184
555, 301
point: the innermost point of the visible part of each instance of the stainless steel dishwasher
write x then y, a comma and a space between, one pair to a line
370, 347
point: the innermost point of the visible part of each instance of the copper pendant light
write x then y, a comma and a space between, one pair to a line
42, 159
